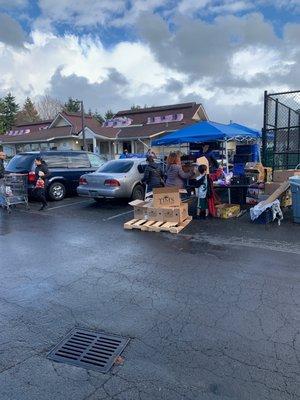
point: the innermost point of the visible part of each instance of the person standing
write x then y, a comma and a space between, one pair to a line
175, 175
153, 176
2, 168
205, 193
41, 174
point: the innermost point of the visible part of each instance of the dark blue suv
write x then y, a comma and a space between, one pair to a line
66, 167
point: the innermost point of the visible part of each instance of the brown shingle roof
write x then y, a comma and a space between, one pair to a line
146, 131
90, 122
38, 136
140, 116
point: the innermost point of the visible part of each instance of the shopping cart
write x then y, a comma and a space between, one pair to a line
13, 190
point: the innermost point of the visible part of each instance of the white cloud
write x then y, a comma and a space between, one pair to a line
29, 72
97, 12
81, 13
214, 6
190, 6
251, 61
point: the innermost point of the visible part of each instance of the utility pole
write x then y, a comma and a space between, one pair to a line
82, 125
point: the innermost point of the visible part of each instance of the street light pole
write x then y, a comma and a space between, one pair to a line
82, 125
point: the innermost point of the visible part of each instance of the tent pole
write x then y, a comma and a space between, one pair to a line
226, 155
227, 170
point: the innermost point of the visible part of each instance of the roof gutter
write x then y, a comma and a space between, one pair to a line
41, 140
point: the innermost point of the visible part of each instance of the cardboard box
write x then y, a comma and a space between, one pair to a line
227, 210
270, 187
175, 214
284, 174
146, 210
166, 197
152, 214
139, 208
256, 170
203, 161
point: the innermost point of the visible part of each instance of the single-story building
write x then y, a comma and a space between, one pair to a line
153, 122
62, 133
132, 130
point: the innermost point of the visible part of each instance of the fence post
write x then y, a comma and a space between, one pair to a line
275, 132
264, 130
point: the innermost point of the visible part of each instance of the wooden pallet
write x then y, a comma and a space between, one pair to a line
157, 226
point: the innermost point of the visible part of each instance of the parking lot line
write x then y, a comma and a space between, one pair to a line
69, 204
117, 215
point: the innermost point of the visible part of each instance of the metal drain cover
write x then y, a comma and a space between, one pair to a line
89, 349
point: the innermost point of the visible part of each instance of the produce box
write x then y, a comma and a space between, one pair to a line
166, 197
284, 175
147, 211
256, 170
226, 211
174, 214
139, 208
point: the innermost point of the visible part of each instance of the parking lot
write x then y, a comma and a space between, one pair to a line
212, 313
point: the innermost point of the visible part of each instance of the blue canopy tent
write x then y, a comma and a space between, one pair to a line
208, 131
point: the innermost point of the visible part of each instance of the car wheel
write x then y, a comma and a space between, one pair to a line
138, 193
57, 191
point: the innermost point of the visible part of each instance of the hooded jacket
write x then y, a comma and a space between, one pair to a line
44, 168
153, 176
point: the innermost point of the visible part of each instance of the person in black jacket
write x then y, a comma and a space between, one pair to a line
41, 174
2, 168
153, 176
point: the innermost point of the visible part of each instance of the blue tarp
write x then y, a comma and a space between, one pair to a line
207, 131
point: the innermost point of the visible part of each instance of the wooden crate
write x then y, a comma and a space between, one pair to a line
157, 226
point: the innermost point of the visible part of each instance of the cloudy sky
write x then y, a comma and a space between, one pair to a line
115, 53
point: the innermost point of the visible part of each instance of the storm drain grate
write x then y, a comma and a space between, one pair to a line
89, 349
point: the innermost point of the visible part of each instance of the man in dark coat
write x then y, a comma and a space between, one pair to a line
2, 168
153, 176
41, 173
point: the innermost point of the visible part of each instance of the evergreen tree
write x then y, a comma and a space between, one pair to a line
72, 106
108, 115
2, 129
135, 107
28, 113
8, 112
98, 117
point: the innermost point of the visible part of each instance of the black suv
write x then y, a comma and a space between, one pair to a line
66, 167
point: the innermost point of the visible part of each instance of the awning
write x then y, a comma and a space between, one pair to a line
208, 131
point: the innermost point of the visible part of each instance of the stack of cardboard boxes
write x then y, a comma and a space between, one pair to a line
279, 177
166, 206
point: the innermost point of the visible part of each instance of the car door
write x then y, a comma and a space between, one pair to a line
57, 164
78, 164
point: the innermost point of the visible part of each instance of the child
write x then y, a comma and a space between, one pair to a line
202, 183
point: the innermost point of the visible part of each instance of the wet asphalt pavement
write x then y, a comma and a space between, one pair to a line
212, 313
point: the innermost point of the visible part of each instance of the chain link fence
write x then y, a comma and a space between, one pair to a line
281, 132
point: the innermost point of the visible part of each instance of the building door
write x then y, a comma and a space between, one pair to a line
127, 146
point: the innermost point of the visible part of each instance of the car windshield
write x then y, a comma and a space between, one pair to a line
116, 167
20, 162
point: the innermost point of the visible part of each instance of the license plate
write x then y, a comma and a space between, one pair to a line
93, 193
